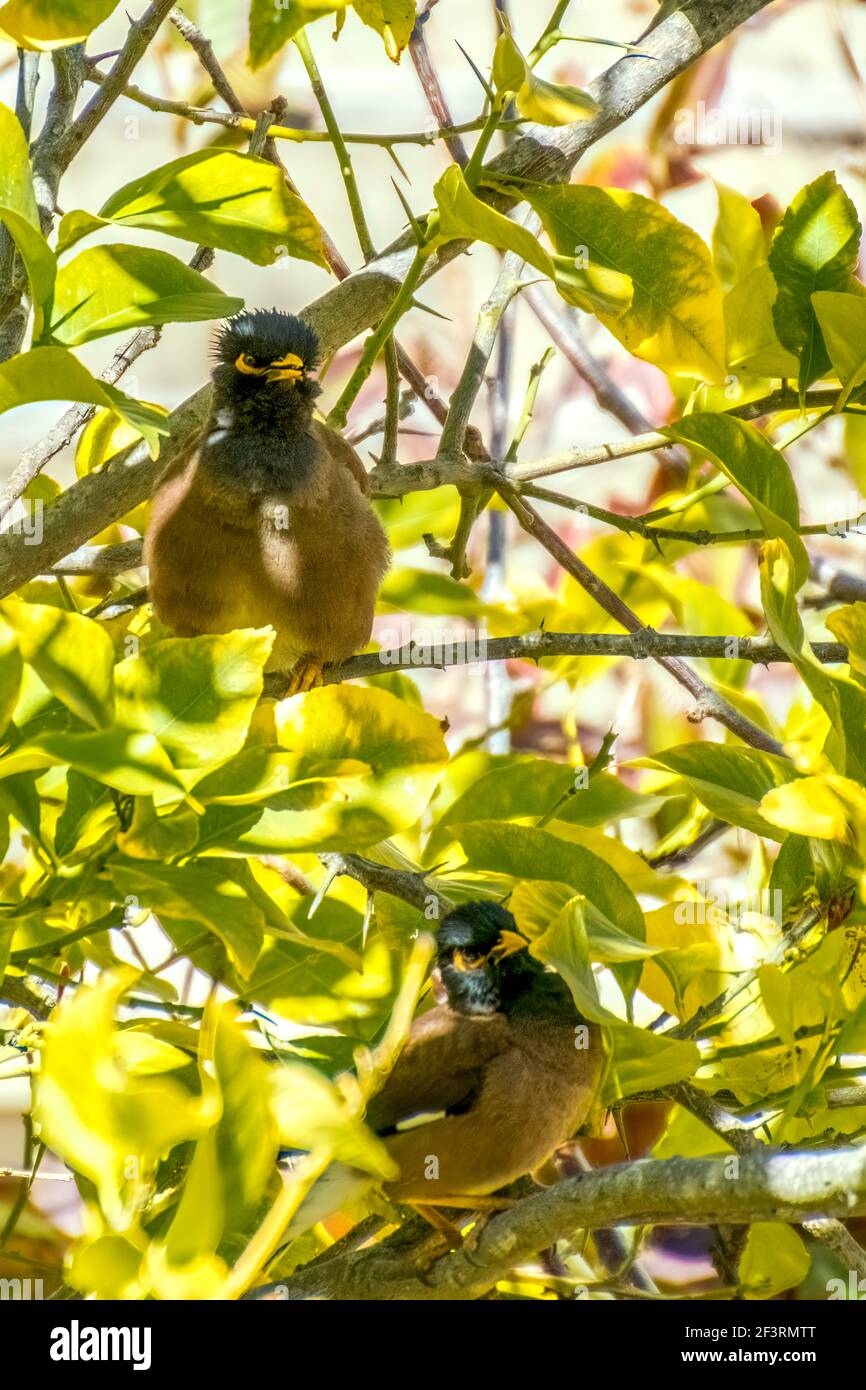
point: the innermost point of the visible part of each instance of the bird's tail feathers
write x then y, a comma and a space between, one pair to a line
338, 1187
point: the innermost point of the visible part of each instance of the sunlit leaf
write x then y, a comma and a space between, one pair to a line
843, 699
214, 893
311, 1113
53, 374
675, 319
815, 247
597, 286
132, 763
196, 695
774, 1259
47, 24
752, 341
730, 782
271, 26
645, 1061
110, 289
105, 1121
19, 212
72, 654
738, 238
759, 471
842, 320
222, 198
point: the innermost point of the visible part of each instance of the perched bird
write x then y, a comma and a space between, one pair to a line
266, 520
502, 1072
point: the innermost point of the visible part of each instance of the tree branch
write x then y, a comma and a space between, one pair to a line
537, 646
671, 1192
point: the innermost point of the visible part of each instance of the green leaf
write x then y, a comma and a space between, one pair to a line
271, 25
215, 893
758, 470
320, 990
598, 288
221, 198
552, 103
730, 782
261, 771
393, 19
752, 342
312, 1114
109, 289
565, 946
843, 700
83, 795
738, 238
196, 695
842, 320
246, 1136
53, 374
774, 1259
73, 655
509, 65
645, 1061
10, 676
20, 214
151, 835
524, 853
548, 103
104, 1121
531, 787
402, 746
535, 904
47, 24
135, 764
196, 1230
848, 625
675, 319
812, 806
815, 247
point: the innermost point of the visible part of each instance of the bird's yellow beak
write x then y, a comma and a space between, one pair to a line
289, 368
509, 942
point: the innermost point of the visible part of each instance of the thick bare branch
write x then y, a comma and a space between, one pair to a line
770, 1186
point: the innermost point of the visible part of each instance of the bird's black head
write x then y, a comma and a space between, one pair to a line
264, 361
477, 966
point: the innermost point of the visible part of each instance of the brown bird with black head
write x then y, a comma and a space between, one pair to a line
267, 520
489, 1083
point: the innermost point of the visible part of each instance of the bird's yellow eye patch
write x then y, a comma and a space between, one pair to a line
246, 364
468, 960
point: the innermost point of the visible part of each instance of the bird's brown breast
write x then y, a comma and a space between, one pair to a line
307, 563
523, 1101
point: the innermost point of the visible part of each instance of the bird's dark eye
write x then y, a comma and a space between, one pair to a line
246, 363
468, 960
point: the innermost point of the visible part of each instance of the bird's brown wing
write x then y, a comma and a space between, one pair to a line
530, 1099
343, 452
441, 1066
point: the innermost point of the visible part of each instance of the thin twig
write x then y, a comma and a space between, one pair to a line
298, 135
344, 159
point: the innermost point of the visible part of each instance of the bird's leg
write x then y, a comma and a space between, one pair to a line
441, 1225
464, 1203
305, 675
448, 1233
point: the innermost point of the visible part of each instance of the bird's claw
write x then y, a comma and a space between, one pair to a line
305, 675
